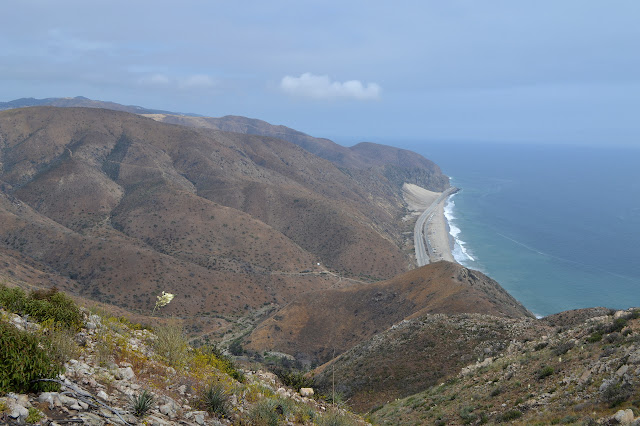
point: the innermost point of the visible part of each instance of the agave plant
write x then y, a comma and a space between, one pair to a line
141, 404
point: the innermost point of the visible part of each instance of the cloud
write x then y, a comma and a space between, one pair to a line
155, 80
321, 87
196, 81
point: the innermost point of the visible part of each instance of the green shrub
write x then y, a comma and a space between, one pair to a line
268, 412
618, 325
616, 393
293, 379
42, 305
141, 404
214, 399
34, 416
545, 371
510, 415
595, 337
171, 345
25, 358
236, 348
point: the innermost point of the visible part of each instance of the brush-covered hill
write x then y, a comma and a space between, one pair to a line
576, 368
320, 325
119, 207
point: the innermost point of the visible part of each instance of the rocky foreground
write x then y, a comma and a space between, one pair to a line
112, 367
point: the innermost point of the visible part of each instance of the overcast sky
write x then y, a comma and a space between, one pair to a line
513, 71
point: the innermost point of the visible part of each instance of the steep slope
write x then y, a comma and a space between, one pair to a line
416, 354
121, 207
583, 371
320, 325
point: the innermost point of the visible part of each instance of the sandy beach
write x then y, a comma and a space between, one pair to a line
437, 239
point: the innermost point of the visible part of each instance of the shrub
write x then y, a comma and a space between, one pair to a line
334, 418
211, 356
267, 412
63, 346
34, 416
141, 404
615, 393
236, 348
563, 348
510, 415
42, 305
214, 399
293, 379
618, 325
23, 359
545, 371
595, 337
171, 345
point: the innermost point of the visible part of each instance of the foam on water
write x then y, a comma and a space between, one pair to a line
460, 252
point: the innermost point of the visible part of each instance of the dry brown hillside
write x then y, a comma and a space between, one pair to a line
118, 207
371, 160
320, 325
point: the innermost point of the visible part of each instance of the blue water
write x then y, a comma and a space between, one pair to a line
557, 226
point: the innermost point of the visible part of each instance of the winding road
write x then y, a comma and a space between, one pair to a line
420, 231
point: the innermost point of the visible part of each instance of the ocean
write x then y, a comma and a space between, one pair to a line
557, 226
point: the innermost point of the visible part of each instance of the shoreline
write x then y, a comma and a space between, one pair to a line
432, 238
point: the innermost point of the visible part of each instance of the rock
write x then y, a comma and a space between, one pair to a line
168, 410
619, 314
622, 370
306, 392
103, 395
198, 416
624, 417
182, 389
125, 373
634, 357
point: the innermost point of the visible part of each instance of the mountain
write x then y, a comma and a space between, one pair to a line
320, 325
80, 101
366, 160
118, 207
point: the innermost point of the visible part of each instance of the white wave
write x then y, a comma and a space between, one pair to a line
459, 251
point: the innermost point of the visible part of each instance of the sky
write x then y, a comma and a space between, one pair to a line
557, 72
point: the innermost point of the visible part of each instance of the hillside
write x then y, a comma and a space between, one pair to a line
368, 160
580, 372
317, 326
117, 207
374, 160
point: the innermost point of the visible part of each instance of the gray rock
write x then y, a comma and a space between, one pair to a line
17, 411
168, 410
125, 373
624, 417
622, 370
103, 395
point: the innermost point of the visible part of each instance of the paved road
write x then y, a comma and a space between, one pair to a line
420, 231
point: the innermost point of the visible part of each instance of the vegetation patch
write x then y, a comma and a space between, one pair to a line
42, 305
24, 359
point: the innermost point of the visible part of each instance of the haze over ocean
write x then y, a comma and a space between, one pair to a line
557, 226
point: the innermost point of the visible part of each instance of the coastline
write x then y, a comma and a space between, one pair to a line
432, 238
